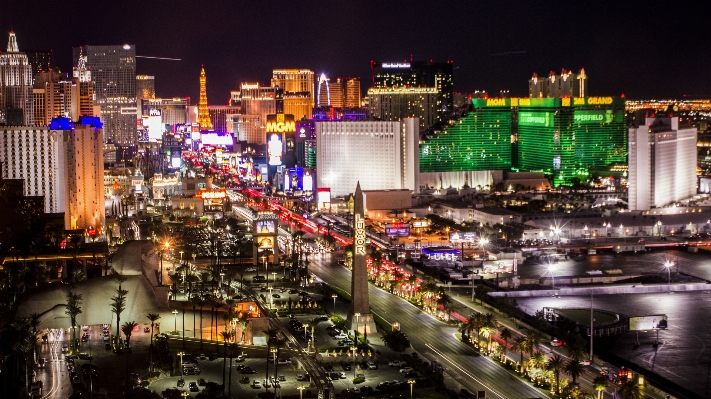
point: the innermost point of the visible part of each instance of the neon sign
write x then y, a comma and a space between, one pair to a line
281, 123
359, 235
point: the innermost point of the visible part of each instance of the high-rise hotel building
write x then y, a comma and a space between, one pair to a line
16, 100
113, 70
395, 103
62, 162
381, 155
662, 160
298, 86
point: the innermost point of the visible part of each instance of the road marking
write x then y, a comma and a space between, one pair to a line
468, 374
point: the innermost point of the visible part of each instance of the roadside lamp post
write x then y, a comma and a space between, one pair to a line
668, 265
181, 354
396, 326
175, 319
354, 349
165, 247
301, 391
412, 384
355, 331
659, 227
274, 279
334, 296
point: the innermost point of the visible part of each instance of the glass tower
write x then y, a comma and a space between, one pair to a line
479, 141
570, 137
113, 70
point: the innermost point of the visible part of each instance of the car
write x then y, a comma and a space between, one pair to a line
372, 366
557, 342
106, 338
85, 356
201, 382
282, 378
363, 365
411, 374
328, 368
239, 358
266, 384
342, 375
193, 387
107, 346
322, 317
283, 361
76, 379
585, 362
300, 377
259, 279
248, 370
366, 389
250, 269
406, 370
146, 329
346, 366
84, 338
341, 336
65, 348
293, 292
276, 296
397, 363
244, 380
346, 342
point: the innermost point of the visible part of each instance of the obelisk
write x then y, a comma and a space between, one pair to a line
359, 316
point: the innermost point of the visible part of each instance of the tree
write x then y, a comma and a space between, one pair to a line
127, 329
172, 393
630, 390
225, 337
153, 317
73, 310
118, 305
600, 384
574, 369
396, 340
506, 336
556, 364
233, 349
521, 345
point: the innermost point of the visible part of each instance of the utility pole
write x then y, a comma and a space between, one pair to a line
592, 331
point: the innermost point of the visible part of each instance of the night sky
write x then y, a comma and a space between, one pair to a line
642, 50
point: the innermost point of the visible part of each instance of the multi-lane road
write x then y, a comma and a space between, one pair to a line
433, 339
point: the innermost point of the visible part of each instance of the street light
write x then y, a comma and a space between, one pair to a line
412, 384
355, 332
551, 269
668, 265
181, 354
165, 247
175, 319
301, 391
354, 349
334, 296
274, 279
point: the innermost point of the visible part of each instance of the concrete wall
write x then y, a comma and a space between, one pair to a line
608, 290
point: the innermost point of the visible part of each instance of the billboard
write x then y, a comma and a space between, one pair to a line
397, 229
652, 322
219, 138
598, 117
266, 226
274, 149
543, 119
265, 242
420, 223
462, 236
323, 199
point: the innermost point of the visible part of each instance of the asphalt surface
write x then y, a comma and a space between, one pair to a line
433, 339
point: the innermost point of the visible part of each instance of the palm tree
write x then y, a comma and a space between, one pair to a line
153, 317
233, 349
600, 384
118, 305
446, 302
534, 339
34, 322
539, 360
574, 369
225, 337
506, 336
556, 364
312, 325
630, 390
127, 329
73, 310
521, 345
487, 331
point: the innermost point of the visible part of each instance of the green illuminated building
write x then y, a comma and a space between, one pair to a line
479, 141
568, 137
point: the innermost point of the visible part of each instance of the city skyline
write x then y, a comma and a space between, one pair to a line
494, 47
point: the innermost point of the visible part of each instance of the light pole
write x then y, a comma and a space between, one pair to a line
175, 319
301, 391
274, 279
412, 384
659, 227
668, 265
165, 247
334, 296
355, 332
181, 363
551, 269
354, 349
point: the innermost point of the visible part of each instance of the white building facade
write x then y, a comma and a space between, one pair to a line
662, 163
381, 155
36, 155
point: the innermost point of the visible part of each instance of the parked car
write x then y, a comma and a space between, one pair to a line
346, 366
256, 384
244, 380
201, 382
193, 387
283, 361
372, 366
397, 363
